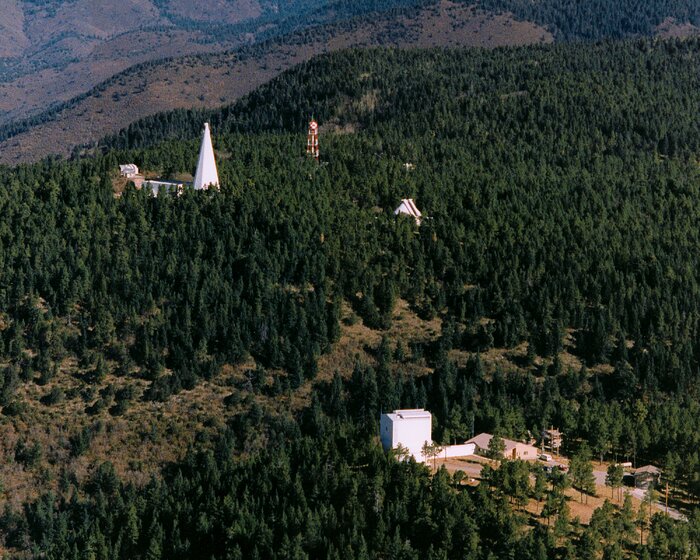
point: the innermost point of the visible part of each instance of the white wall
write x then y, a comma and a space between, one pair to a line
413, 433
386, 431
459, 450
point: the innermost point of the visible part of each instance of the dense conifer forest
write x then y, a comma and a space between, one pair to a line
561, 189
600, 19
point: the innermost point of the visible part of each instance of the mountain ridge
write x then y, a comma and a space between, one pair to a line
57, 49
183, 33
217, 79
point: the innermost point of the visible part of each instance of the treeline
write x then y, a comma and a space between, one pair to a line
502, 95
599, 19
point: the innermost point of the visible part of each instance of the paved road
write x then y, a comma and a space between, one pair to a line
639, 494
672, 513
599, 477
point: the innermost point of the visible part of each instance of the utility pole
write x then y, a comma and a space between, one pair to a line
542, 435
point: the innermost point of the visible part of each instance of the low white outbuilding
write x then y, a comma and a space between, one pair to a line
409, 428
460, 450
159, 186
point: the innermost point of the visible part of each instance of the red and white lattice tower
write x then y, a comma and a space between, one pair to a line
312, 140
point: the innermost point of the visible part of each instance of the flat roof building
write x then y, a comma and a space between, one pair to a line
409, 428
158, 186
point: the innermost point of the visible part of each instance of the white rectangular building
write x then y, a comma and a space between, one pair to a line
411, 428
129, 170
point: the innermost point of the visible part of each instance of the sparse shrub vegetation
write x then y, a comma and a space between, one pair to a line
54, 396
27, 454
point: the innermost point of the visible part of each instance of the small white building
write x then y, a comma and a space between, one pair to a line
129, 170
158, 186
409, 208
409, 428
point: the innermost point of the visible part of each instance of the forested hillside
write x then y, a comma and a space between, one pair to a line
559, 254
601, 19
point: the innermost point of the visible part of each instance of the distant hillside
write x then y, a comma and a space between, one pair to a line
53, 50
214, 80
601, 19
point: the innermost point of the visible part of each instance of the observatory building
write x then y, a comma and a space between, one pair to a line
409, 208
412, 428
129, 170
206, 175
409, 428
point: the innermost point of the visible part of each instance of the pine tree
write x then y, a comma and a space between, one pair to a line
496, 447
582, 472
614, 477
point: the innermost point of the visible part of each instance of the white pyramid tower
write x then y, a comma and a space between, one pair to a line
206, 175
